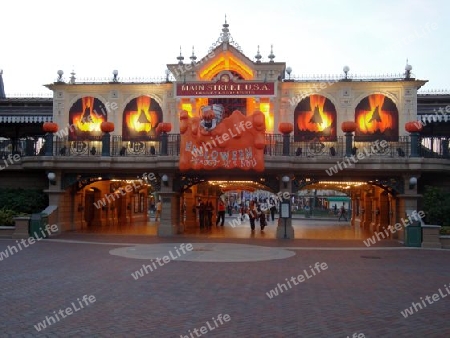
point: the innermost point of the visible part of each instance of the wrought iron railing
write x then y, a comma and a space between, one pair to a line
428, 147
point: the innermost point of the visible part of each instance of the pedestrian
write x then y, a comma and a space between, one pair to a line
273, 208
262, 219
158, 210
201, 213
252, 214
220, 213
342, 213
209, 213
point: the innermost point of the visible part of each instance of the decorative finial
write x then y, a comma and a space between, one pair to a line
258, 56
408, 69
225, 18
193, 57
180, 58
271, 56
1, 71
72, 78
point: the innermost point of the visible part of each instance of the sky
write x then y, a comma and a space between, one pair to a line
139, 38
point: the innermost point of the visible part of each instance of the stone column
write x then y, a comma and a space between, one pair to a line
348, 144
106, 144
383, 217
285, 189
407, 202
169, 224
367, 217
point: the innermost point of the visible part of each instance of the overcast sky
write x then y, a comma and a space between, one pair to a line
138, 38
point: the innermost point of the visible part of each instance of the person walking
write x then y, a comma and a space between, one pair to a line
273, 209
252, 214
158, 210
209, 214
220, 213
201, 213
342, 213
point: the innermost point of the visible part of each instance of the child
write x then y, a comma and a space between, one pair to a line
262, 219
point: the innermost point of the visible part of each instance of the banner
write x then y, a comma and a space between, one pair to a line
210, 142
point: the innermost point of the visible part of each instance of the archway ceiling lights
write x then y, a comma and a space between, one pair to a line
238, 185
336, 185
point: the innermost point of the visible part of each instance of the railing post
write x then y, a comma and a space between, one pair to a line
286, 145
348, 144
164, 144
286, 128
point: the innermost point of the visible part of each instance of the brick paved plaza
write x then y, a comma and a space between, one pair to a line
361, 291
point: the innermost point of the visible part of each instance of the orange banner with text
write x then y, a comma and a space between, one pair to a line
212, 142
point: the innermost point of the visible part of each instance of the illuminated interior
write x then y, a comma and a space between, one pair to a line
264, 107
238, 185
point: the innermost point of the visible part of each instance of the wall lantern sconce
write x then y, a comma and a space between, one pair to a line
285, 180
412, 183
52, 178
165, 180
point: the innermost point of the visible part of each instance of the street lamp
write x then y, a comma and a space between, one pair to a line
52, 178
285, 180
412, 182
346, 70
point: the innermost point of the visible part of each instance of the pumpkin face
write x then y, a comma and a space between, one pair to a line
413, 126
348, 126
107, 127
50, 127
285, 127
164, 127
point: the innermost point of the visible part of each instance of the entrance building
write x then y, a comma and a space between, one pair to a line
228, 122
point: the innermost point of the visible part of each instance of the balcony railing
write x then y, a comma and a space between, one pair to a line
429, 147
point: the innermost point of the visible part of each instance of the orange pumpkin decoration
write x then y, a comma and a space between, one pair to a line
413, 126
348, 126
50, 127
184, 115
107, 127
285, 127
164, 127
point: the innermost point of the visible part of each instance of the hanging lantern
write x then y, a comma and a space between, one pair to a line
348, 126
413, 126
107, 127
50, 127
285, 127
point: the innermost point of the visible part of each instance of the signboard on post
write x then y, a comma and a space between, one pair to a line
285, 213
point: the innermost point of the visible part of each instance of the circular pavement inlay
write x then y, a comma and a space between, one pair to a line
204, 252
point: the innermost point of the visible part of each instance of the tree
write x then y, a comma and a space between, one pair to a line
437, 205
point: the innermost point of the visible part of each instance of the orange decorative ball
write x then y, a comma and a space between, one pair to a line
413, 126
348, 126
50, 127
184, 115
285, 127
164, 127
107, 127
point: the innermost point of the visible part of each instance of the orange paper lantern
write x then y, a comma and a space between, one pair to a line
285, 127
164, 127
107, 127
50, 127
348, 126
413, 126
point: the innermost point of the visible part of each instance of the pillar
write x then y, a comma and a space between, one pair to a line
414, 144
164, 144
169, 224
407, 202
367, 216
106, 144
286, 145
383, 217
49, 144
348, 144
281, 230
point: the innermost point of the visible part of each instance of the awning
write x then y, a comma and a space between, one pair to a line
25, 119
434, 118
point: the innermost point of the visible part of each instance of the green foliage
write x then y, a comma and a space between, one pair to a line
22, 201
6, 217
437, 206
445, 230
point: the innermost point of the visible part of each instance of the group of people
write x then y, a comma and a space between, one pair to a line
255, 213
205, 213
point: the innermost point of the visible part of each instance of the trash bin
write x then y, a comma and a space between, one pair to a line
37, 226
413, 235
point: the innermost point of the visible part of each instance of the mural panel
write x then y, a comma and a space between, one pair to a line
86, 116
315, 119
376, 117
140, 118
